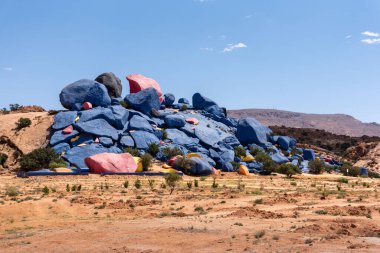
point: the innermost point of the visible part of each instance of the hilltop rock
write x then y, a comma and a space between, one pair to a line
112, 83
249, 131
139, 82
82, 91
144, 101
201, 102
169, 99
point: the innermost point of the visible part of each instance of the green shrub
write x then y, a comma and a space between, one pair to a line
239, 151
138, 184
349, 170
269, 165
164, 134
196, 184
39, 159
3, 158
22, 123
132, 151
235, 165
254, 151
126, 184
59, 163
153, 149
184, 163
214, 183
342, 180
11, 191
146, 161
79, 188
67, 187
14, 107
151, 184
316, 167
74, 188
171, 152
184, 107
46, 190
372, 174
189, 184
288, 169
171, 181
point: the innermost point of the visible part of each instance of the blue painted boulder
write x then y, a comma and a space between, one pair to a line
279, 158
82, 91
199, 167
144, 101
61, 148
286, 142
121, 116
106, 141
180, 138
183, 101
143, 139
309, 155
201, 102
215, 111
83, 138
64, 119
127, 141
59, 137
175, 121
97, 113
249, 131
98, 127
169, 99
139, 123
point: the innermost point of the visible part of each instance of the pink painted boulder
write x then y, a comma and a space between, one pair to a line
87, 106
68, 130
139, 82
109, 162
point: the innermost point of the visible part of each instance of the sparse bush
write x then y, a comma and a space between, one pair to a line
3, 158
342, 180
196, 184
171, 181
153, 149
293, 183
372, 174
46, 190
183, 163
184, 107
146, 161
151, 184
214, 183
254, 151
67, 187
349, 170
79, 188
239, 151
73, 188
316, 167
138, 184
288, 169
14, 107
134, 152
189, 184
58, 163
163, 186
258, 201
22, 123
260, 234
126, 184
11, 191
39, 159
164, 135
171, 152
235, 165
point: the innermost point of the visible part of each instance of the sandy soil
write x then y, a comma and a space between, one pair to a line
243, 214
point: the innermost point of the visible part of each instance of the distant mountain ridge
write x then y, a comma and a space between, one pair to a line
334, 123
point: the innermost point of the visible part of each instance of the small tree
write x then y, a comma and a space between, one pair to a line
39, 159
151, 184
269, 165
146, 161
288, 169
171, 181
349, 170
138, 184
316, 167
14, 107
22, 123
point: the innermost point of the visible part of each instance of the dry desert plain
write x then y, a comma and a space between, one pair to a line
242, 214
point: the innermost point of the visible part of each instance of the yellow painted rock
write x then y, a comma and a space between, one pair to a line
243, 170
63, 170
194, 155
139, 164
248, 159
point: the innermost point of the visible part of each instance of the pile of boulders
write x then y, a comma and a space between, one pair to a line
100, 121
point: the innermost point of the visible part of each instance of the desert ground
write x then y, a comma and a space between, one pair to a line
230, 213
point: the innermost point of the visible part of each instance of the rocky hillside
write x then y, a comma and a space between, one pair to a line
335, 123
14, 143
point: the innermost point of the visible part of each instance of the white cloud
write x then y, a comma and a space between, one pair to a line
209, 49
371, 41
348, 36
248, 16
231, 47
370, 34
8, 69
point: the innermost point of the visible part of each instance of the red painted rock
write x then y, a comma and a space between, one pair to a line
87, 106
193, 121
139, 82
172, 160
109, 162
68, 130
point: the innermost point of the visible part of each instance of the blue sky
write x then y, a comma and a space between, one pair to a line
307, 56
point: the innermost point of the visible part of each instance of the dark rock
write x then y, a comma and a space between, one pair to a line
112, 83
169, 99
215, 110
308, 154
286, 142
200, 102
144, 101
75, 94
183, 101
